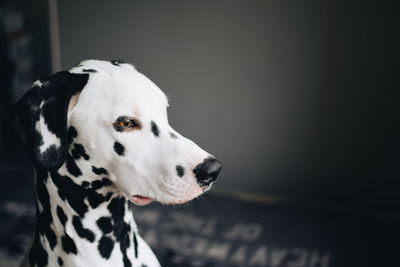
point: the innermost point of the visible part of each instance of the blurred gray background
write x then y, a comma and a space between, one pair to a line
295, 98
298, 99
288, 94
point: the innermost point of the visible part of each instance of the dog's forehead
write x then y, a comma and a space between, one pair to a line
120, 85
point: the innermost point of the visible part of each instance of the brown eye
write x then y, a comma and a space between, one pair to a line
125, 123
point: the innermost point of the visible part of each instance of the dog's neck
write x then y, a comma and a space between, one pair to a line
82, 219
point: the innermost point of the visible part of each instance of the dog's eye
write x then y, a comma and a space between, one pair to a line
125, 123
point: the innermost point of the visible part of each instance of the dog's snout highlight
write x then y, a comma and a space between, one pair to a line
207, 171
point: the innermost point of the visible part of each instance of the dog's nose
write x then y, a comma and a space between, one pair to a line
207, 171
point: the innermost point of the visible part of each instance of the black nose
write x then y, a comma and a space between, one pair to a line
207, 171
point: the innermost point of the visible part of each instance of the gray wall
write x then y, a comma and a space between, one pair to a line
288, 95
24, 56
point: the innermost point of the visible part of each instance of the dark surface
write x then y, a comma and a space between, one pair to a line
220, 230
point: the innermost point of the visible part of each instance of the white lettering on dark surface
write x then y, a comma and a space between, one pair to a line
205, 239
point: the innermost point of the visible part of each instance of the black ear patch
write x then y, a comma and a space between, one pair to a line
40, 117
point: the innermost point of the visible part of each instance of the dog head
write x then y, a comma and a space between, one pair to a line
120, 118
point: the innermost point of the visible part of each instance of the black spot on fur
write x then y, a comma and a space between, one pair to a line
155, 129
71, 192
172, 135
105, 246
124, 243
89, 70
68, 244
60, 261
116, 208
135, 244
117, 62
108, 196
79, 151
106, 182
85, 184
37, 254
82, 232
99, 171
97, 184
180, 170
127, 262
119, 149
94, 198
61, 215
121, 229
72, 167
72, 133
105, 224
44, 218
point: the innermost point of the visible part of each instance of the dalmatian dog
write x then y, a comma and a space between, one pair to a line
99, 137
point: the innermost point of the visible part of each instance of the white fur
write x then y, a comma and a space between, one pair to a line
49, 139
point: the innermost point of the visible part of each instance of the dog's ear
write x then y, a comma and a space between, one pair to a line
40, 117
